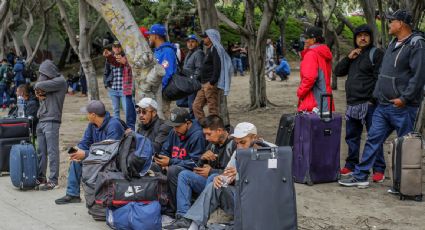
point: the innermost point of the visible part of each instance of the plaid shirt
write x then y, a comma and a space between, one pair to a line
117, 77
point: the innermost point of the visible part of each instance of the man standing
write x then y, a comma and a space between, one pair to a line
50, 90
362, 66
398, 90
101, 127
151, 126
215, 75
236, 59
165, 54
192, 65
270, 63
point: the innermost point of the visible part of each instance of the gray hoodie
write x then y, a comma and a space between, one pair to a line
55, 86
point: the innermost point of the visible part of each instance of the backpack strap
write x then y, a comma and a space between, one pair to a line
415, 39
371, 54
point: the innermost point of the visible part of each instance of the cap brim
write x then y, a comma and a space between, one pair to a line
238, 135
390, 17
203, 35
172, 124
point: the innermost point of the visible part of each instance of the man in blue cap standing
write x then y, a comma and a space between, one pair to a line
165, 53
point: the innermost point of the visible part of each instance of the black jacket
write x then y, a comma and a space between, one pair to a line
211, 67
362, 76
402, 73
157, 131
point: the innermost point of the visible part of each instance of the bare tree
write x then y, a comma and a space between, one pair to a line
4, 8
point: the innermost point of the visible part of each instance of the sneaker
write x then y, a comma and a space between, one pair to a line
48, 186
179, 223
393, 191
346, 171
67, 199
378, 177
352, 181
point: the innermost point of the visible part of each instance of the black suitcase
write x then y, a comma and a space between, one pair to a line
14, 127
265, 193
285, 131
5, 146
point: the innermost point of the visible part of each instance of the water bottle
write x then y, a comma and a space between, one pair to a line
21, 105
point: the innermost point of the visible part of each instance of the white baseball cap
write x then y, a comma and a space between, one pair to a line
146, 102
243, 129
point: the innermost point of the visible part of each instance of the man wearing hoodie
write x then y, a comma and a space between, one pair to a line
184, 146
398, 91
315, 72
362, 66
50, 90
214, 76
18, 70
165, 54
101, 127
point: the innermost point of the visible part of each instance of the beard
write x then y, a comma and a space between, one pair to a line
151, 44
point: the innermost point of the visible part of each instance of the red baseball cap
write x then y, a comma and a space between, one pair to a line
144, 31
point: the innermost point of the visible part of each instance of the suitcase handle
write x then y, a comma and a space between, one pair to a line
255, 153
329, 106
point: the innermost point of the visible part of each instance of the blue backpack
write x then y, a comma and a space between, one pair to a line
135, 216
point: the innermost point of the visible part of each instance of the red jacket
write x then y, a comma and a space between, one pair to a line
315, 73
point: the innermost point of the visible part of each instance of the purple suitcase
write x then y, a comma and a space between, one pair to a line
317, 142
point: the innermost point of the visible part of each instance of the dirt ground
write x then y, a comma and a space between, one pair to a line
324, 206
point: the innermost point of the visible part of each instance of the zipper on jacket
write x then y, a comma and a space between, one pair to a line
398, 54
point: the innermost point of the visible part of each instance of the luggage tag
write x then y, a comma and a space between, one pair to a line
272, 163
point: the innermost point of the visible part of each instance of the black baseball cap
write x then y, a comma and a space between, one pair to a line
116, 44
401, 15
178, 117
203, 35
313, 32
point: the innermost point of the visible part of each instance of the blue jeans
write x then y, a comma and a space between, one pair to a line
189, 181
74, 86
237, 65
353, 135
130, 115
117, 99
74, 178
386, 119
5, 94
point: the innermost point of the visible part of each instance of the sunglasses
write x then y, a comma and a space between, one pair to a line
143, 111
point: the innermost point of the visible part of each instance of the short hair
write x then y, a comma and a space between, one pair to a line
212, 122
25, 89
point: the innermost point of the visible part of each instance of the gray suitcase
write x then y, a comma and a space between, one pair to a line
407, 166
265, 193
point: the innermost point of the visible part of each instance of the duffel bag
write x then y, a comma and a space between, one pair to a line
181, 86
113, 190
135, 216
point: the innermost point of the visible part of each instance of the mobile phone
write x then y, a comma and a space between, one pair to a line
72, 150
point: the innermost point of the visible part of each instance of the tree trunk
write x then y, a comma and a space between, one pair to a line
29, 25
416, 7
281, 22
4, 8
383, 25
3, 35
369, 7
64, 54
84, 52
146, 72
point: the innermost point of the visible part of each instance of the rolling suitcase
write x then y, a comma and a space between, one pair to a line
265, 193
317, 146
285, 131
23, 166
407, 166
14, 127
5, 146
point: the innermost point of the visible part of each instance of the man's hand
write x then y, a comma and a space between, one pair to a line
78, 156
398, 103
40, 94
162, 160
204, 171
230, 172
217, 182
354, 53
106, 53
209, 156
122, 60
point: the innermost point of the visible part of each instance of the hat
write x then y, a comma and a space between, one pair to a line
178, 116
203, 35
243, 129
192, 37
116, 44
158, 29
144, 31
94, 106
146, 102
313, 32
401, 15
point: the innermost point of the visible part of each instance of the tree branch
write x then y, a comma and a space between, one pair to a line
66, 24
232, 24
4, 8
94, 27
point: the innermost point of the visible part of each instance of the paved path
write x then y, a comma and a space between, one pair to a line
37, 210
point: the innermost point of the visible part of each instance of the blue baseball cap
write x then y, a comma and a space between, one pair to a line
158, 29
192, 37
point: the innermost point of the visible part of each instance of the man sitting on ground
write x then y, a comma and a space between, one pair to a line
101, 127
217, 156
151, 126
184, 146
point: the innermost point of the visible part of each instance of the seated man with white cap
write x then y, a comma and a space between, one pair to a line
220, 194
151, 126
101, 127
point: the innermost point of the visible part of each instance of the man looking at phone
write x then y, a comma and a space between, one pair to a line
212, 163
184, 146
101, 127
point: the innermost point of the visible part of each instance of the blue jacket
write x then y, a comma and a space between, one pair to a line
111, 128
187, 151
283, 67
18, 68
165, 54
